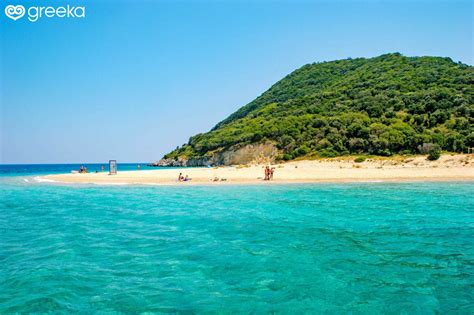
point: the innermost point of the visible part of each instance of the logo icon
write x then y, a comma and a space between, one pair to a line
15, 12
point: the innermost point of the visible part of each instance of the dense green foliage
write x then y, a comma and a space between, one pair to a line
382, 106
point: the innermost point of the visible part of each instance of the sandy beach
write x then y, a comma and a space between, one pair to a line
447, 168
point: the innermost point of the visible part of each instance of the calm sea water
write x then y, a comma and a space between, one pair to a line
38, 169
352, 248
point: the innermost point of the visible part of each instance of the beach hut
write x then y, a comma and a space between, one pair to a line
112, 167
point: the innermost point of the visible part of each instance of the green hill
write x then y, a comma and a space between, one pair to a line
382, 106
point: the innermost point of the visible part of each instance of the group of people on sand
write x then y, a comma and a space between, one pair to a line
83, 169
269, 173
268, 176
182, 178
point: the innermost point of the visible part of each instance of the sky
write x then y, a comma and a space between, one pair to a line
134, 79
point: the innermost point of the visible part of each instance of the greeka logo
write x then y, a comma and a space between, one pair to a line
16, 12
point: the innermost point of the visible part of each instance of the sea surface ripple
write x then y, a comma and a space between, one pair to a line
327, 248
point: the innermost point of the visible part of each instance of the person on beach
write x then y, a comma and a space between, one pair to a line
180, 177
267, 173
187, 179
272, 170
138, 166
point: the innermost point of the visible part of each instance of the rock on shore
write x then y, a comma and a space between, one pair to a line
252, 153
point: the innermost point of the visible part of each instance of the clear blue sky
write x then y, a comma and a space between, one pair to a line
134, 79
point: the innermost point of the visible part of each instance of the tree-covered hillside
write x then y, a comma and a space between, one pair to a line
385, 105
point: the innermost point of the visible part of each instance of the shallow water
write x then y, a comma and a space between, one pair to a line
360, 248
10, 170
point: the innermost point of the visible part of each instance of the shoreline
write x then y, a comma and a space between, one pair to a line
272, 183
448, 168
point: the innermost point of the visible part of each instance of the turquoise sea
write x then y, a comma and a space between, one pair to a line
366, 248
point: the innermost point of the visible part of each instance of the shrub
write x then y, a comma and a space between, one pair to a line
302, 150
287, 157
359, 159
434, 153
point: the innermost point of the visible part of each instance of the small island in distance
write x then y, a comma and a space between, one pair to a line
379, 106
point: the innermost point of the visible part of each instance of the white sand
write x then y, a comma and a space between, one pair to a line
447, 168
